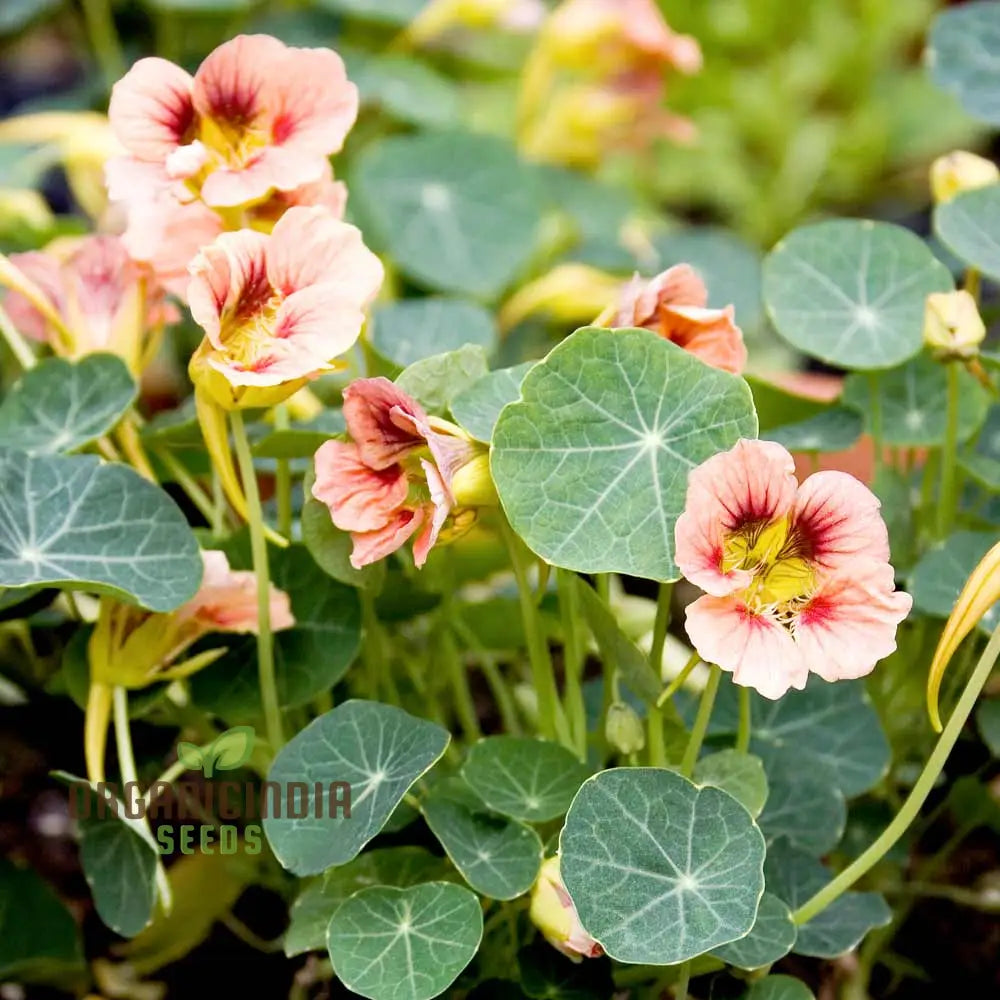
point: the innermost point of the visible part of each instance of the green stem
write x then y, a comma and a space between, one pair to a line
948, 500
656, 748
465, 707
187, 483
552, 721
918, 795
283, 477
681, 990
258, 546
743, 729
494, 678
373, 653
602, 584
104, 39
875, 423
660, 626
678, 682
18, 345
573, 658
700, 726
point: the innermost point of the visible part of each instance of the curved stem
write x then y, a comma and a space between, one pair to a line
948, 499
258, 546
187, 483
918, 795
465, 708
573, 658
283, 477
660, 625
701, 721
743, 729
678, 682
104, 39
18, 345
494, 678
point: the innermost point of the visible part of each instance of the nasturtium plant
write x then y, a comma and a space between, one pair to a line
483, 523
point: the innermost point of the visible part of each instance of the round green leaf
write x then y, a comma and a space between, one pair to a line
477, 407
309, 658
380, 750
771, 938
659, 869
414, 329
591, 465
963, 55
968, 226
835, 429
794, 876
528, 779
62, 405
396, 866
428, 199
405, 944
779, 988
77, 522
434, 381
941, 573
740, 774
804, 804
914, 402
405, 88
852, 293
17, 14
497, 856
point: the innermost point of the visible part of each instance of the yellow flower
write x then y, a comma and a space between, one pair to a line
960, 171
553, 913
952, 324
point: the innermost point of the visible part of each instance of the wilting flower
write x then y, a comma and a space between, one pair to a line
277, 309
797, 577
953, 327
960, 171
256, 116
674, 305
403, 474
553, 913
95, 298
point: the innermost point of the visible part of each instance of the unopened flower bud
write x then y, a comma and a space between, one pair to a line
472, 484
953, 327
960, 171
623, 728
553, 913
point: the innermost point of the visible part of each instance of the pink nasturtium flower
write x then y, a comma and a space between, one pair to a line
402, 474
256, 116
674, 304
106, 301
553, 913
278, 309
797, 578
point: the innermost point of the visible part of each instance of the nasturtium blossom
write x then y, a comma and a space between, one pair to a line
106, 301
277, 309
257, 116
953, 327
797, 577
553, 913
403, 474
674, 304
960, 171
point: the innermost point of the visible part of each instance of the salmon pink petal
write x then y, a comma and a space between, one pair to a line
309, 246
680, 285
319, 317
381, 420
752, 483
270, 169
46, 272
850, 623
228, 276
757, 650
359, 498
135, 182
441, 504
709, 334
836, 521
151, 112
226, 601
370, 546
275, 363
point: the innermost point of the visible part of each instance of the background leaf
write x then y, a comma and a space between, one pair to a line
477, 407
771, 938
968, 225
740, 774
963, 54
436, 380
414, 329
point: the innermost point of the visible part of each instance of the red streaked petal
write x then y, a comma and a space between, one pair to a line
151, 110
359, 498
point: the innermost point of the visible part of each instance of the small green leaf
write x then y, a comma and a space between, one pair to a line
414, 329
527, 779
300, 440
967, 226
380, 750
395, 866
836, 429
740, 774
232, 749
426, 205
405, 944
39, 939
771, 938
477, 407
497, 856
794, 876
659, 869
941, 573
851, 292
190, 755
61, 405
591, 464
74, 521
331, 548
963, 55
913, 401
804, 804
779, 988
435, 381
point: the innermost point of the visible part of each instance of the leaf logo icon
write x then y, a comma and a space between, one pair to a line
228, 751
